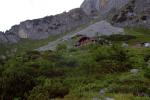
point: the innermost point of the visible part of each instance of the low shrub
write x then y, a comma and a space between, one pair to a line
147, 73
118, 37
112, 59
136, 87
15, 83
50, 89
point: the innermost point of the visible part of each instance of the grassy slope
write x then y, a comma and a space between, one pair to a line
83, 80
89, 90
27, 44
83, 87
142, 34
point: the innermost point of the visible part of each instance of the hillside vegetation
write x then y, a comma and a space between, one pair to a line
89, 72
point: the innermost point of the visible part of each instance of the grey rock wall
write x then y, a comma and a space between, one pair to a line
102, 7
3, 38
120, 12
8, 38
50, 25
135, 13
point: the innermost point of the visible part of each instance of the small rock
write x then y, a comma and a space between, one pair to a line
147, 45
109, 98
102, 92
134, 71
125, 45
3, 57
96, 99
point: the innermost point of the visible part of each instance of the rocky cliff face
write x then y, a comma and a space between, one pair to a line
8, 37
120, 12
51, 25
43, 27
135, 13
102, 7
3, 38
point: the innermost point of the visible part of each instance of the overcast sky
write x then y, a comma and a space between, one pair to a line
14, 11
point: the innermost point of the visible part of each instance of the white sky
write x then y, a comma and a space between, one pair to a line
14, 11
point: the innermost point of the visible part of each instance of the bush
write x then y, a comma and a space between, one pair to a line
15, 83
147, 55
112, 59
147, 73
134, 86
50, 89
118, 37
61, 47
32, 55
51, 56
137, 61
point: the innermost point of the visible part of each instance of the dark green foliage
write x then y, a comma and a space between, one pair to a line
61, 47
147, 73
118, 37
114, 59
14, 83
37, 75
135, 86
147, 55
50, 89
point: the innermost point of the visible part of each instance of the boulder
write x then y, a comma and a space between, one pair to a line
102, 92
108, 98
134, 71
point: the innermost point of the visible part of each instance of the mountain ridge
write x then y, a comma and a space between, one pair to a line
117, 12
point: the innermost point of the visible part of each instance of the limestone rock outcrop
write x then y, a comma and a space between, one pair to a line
50, 25
8, 38
135, 13
102, 7
3, 38
120, 12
